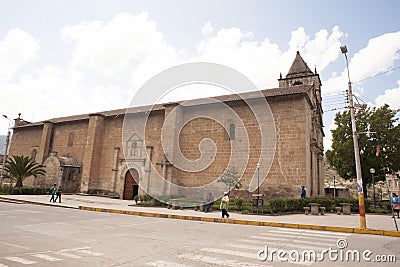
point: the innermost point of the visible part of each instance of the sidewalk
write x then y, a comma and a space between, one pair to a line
376, 224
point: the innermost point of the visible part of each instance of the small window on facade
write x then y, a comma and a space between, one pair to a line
33, 154
71, 139
232, 131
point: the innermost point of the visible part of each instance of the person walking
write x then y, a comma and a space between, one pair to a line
58, 194
210, 200
53, 190
303, 192
394, 200
224, 205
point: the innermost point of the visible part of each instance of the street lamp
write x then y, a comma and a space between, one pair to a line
372, 171
6, 150
363, 222
258, 181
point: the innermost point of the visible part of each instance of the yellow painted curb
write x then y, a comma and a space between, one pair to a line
207, 219
272, 224
239, 222
291, 225
391, 233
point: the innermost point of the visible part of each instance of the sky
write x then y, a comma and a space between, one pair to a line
61, 58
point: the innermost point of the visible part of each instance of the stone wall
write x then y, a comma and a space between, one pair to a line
97, 144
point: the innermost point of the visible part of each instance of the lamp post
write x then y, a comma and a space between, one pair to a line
363, 222
258, 181
372, 171
5, 151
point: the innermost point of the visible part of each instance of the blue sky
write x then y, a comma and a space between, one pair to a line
60, 58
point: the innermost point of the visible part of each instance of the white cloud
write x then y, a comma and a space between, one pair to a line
262, 61
390, 97
112, 48
328, 135
51, 92
17, 49
207, 29
323, 49
378, 56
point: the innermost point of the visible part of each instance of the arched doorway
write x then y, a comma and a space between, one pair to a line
131, 187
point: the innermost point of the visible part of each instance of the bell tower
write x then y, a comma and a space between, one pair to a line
301, 76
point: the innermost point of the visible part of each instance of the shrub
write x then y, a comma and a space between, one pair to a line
277, 205
239, 203
296, 205
9, 190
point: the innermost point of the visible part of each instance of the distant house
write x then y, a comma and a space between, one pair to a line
393, 183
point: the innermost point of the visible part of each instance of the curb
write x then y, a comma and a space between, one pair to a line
20, 201
246, 222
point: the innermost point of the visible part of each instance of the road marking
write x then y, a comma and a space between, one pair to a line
312, 243
45, 257
310, 231
161, 263
2, 265
218, 261
287, 250
231, 252
293, 240
270, 238
13, 245
89, 252
302, 236
257, 248
20, 260
305, 234
70, 249
263, 243
66, 254
30, 211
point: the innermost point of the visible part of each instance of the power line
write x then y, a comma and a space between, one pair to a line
376, 75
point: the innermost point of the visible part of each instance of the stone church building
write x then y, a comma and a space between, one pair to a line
87, 153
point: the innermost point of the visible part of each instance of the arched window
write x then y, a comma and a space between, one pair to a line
232, 131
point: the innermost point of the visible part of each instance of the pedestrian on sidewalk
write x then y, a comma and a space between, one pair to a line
395, 201
224, 205
209, 202
53, 192
303, 192
58, 194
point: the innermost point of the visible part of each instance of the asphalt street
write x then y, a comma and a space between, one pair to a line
48, 236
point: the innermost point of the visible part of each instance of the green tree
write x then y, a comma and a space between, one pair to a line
376, 127
18, 168
230, 178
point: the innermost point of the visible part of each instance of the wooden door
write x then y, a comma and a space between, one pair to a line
131, 187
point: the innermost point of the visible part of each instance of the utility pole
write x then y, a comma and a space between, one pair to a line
360, 190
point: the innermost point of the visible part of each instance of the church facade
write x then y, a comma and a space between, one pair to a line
87, 153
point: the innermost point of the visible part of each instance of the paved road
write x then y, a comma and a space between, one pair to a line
47, 236
374, 221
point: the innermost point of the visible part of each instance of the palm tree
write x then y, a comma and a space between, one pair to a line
18, 168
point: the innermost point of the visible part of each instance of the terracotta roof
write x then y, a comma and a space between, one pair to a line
268, 93
299, 68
